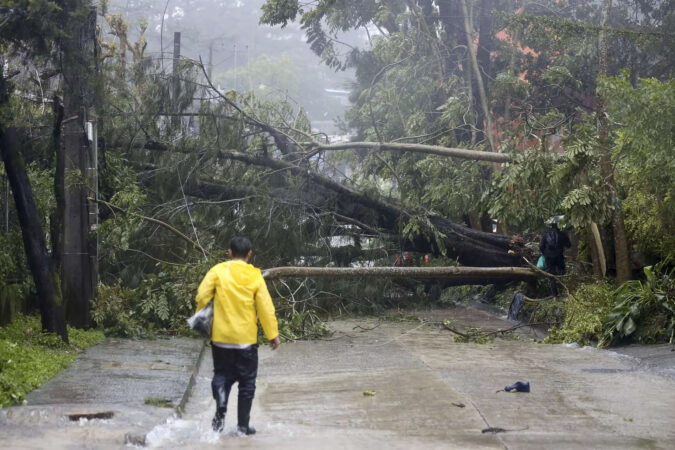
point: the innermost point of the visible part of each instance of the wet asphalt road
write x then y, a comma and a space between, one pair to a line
429, 392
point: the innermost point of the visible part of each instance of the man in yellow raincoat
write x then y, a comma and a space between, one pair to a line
239, 293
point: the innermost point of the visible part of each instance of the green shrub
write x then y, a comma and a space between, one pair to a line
113, 310
644, 310
585, 311
640, 311
163, 301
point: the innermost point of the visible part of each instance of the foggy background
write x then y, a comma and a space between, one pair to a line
243, 54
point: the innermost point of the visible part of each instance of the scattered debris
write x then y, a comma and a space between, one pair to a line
493, 430
459, 405
159, 402
606, 370
481, 336
369, 393
366, 329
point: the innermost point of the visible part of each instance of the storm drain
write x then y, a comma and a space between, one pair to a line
91, 415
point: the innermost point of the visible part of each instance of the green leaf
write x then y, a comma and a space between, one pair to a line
629, 327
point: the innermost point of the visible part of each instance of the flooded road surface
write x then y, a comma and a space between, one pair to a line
429, 392
425, 391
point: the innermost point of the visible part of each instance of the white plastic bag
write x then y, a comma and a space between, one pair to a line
202, 320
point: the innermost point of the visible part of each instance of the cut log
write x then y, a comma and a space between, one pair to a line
460, 153
461, 274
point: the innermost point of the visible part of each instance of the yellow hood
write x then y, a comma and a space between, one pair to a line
241, 273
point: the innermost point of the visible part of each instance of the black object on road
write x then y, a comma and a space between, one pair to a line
517, 303
519, 386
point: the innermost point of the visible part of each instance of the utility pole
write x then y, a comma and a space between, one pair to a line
92, 180
248, 73
209, 67
77, 271
6, 205
175, 120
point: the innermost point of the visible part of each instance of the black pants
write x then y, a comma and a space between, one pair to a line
230, 366
555, 267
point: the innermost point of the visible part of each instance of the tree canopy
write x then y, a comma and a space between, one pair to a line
470, 123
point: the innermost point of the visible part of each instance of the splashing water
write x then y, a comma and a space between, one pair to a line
178, 432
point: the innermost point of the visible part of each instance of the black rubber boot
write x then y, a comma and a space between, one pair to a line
220, 395
244, 414
218, 422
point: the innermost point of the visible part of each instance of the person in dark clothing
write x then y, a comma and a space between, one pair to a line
552, 246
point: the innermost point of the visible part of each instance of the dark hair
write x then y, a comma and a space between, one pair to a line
240, 246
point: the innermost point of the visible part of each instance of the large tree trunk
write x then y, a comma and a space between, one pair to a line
33, 236
484, 48
622, 258
56, 220
470, 247
77, 271
487, 122
597, 251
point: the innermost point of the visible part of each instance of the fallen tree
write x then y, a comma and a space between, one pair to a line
470, 247
369, 213
434, 234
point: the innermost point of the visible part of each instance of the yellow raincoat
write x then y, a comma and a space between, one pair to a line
238, 290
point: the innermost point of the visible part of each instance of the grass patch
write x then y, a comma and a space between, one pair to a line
29, 357
158, 402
